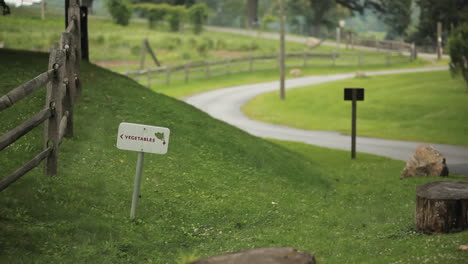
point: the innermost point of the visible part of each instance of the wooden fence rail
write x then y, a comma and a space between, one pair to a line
206, 69
63, 87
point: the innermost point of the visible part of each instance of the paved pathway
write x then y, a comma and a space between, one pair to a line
225, 104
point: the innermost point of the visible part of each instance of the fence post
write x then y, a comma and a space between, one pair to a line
414, 54
389, 59
359, 58
84, 32
250, 63
352, 40
148, 77
168, 75
334, 58
187, 72
305, 59
229, 66
70, 85
376, 43
207, 69
53, 101
142, 55
74, 17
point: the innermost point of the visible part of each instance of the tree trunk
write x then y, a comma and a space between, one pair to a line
442, 207
252, 9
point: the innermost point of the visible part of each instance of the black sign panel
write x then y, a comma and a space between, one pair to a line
348, 94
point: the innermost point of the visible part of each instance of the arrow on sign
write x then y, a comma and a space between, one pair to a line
121, 136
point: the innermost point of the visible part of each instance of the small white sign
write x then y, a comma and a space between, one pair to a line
143, 138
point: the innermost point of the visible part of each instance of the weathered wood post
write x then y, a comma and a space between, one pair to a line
74, 18
282, 51
439, 40
388, 58
229, 66
305, 59
207, 69
53, 101
187, 72
69, 93
442, 207
43, 9
84, 33
148, 78
168, 75
142, 55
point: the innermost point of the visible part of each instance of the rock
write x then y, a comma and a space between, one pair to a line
295, 72
360, 74
426, 162
272, 255
312, 42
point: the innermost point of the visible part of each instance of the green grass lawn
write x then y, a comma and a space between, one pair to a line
180, 89
427, 107
217, 190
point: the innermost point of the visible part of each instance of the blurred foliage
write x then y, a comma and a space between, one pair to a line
120, 10
458, 50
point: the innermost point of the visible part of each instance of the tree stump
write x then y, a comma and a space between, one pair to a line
442, 207
272, 255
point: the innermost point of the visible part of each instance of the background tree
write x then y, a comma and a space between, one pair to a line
120, 10
252, 13
5, 7
458, 50
451, 13
198, 15
175, 16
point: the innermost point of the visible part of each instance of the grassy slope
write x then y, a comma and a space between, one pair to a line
113, 42
212, 193
429, 107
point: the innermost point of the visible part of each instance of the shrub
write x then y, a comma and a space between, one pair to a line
175, 16
120, 10
267, 20
154, 13
458, 50
197, 15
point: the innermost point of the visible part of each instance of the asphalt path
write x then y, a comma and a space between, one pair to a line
225, 104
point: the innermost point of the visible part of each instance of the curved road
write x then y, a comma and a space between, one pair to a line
225, 104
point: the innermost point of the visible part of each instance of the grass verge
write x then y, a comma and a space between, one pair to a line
217, 190
428, 107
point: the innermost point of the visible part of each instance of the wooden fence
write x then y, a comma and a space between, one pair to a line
63, 87
206, 69
380, 45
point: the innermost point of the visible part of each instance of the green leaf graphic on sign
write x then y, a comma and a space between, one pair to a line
159, 135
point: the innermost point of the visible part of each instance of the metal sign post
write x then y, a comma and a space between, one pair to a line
141, 138
136, 187
354, 95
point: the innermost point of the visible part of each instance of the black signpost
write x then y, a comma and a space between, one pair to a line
354, 95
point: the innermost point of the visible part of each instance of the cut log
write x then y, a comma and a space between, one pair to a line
442, 207
272, 255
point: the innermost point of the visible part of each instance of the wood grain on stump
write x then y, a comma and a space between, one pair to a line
442, 207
